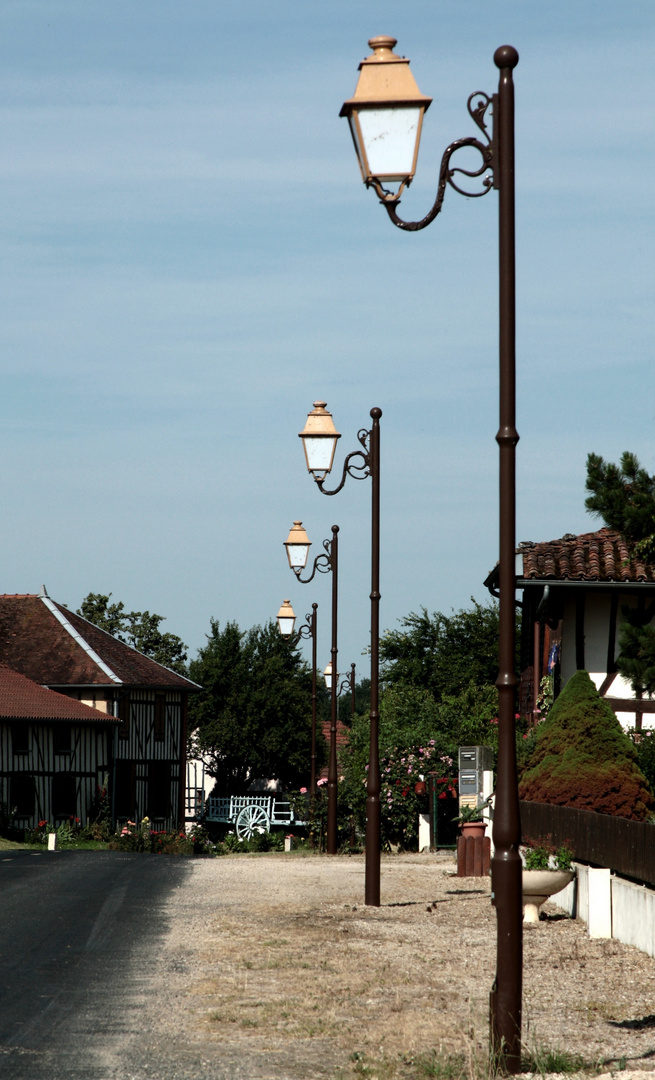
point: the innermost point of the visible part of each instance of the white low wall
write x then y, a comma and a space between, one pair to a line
633, 914
617, 907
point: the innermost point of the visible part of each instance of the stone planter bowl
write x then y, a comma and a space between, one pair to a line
538, 885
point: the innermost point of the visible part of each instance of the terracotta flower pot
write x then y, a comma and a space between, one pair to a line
537, 886
472, 828
420, 787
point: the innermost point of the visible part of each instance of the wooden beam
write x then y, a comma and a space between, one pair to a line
645, 705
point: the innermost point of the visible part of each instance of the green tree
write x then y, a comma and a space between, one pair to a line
253, 716
408, 717
624, 497
636, 659
644, 744
469, 718
443, 653
411, 746
583, 758
139, 629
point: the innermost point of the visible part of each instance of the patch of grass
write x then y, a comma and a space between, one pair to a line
543, 1060
602, 1010
15, 845
217, 1016
462, 1066
441, 1067
83, 845
74, 845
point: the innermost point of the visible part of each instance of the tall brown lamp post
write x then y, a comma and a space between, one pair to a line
298, 545
319, 438
286, 620
386, 115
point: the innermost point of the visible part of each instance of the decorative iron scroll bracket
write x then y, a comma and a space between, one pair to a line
304, 632
358, 472
346, 684
477, 105
322, 564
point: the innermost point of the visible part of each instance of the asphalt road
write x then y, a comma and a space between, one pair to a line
78, 947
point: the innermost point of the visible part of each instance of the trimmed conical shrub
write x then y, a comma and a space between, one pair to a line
583, 758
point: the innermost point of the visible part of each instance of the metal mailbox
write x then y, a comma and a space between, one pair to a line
474, 761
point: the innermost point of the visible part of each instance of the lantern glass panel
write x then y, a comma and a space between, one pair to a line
297, 554
286, 625
319, 452
389, 136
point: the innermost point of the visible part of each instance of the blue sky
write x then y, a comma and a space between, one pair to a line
189, 260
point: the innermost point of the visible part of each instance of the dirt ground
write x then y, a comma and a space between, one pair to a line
274, 968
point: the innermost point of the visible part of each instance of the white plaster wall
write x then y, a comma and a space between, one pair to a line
596, 627
633, 914
633, 908
566, 898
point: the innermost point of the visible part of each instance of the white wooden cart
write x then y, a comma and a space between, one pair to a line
251, 813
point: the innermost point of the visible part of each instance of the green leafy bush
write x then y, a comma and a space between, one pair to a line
264, 841
7, 815
544, 855
583, 758
140, 837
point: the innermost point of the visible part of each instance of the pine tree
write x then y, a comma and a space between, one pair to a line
584, 759
624, 497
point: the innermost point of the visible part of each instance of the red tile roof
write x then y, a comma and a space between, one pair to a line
593, 556
35, 642
22, 699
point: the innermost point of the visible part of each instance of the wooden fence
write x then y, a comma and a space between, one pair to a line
627, 847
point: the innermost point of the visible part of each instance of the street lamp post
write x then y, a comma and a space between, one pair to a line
348, 683
286, 620
298, 545
319, 438
385, 116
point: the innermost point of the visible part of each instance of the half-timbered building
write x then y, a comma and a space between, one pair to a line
55, 752
576, 591
145, 703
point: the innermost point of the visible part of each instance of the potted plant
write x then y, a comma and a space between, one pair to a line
547, 869
470, 819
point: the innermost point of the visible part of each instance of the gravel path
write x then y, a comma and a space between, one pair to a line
274, 968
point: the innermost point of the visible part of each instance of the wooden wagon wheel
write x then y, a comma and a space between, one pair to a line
250, 820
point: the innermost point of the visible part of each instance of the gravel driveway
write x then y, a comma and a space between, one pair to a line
274, 968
